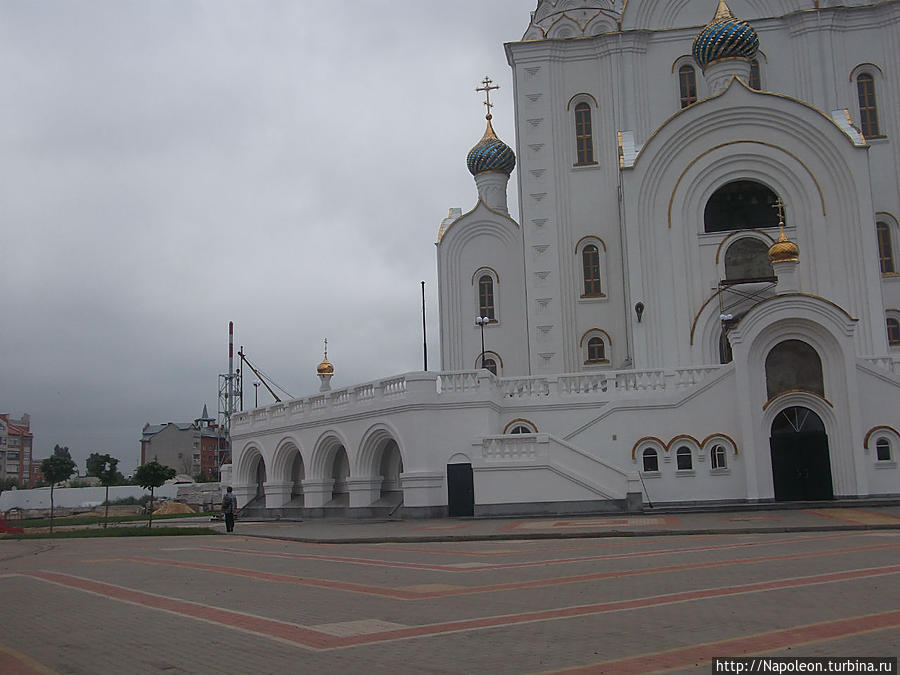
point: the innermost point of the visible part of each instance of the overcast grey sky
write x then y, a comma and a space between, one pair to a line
168, 166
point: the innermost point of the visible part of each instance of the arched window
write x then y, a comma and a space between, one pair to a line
584, 139
740, 205
883, 450
490, 364
520, 427
687, 83
885, 249
717, 458
793, 365
596, 350
684, 461
486, 297
868, 107
893, 331
755, 80
590, 262
595, 347
748, 258
650, 460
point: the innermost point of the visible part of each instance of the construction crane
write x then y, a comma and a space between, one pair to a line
245, 360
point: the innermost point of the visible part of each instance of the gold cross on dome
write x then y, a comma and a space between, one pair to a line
487, 88
779, 204
325, 340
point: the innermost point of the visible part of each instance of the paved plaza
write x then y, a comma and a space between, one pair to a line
251, 603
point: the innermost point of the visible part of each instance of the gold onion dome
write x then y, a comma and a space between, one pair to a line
784, 250
325, 368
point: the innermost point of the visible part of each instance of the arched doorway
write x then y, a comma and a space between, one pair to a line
340, 472
259, 475
298, 473
390, 468
801, 465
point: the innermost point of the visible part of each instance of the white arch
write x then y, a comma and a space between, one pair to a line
371, 448
323, 454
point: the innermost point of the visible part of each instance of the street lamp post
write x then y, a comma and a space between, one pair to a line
482, 321
256, 394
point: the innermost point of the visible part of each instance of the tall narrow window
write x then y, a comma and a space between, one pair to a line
590, 259
885, 250
868, 108
584, 139
650, 460
755, 80
486, 297
687, 80
893, 330
683, 459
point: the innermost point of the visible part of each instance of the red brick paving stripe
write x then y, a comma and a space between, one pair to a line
293, 633
14, 662
396, 593
248, 623
499, 566
403, 594
761, 643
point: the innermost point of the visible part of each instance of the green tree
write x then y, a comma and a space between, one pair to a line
9, 483
61, 451
56, 469
95, 464
151, 476
105, 467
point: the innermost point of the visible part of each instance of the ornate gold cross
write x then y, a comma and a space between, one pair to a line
487, 88
780, 206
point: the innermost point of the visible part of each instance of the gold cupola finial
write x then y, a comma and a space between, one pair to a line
723, 11
325, 368
783, 250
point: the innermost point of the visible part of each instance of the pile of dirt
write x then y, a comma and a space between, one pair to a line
173, 507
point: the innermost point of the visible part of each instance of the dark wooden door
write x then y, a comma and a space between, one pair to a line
801, 467
460, 490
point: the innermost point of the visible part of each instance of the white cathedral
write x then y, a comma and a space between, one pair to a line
700, 304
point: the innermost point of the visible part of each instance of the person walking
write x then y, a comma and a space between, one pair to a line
229, 507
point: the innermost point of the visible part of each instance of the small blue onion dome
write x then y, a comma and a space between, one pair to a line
491, 154
725, 37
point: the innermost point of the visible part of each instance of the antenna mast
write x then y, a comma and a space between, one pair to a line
229, 383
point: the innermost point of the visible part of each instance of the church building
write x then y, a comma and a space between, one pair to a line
699, 304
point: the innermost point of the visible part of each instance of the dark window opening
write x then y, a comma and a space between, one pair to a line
650, 460
683, 459
740, 205
486, 297
885, 249
883, 450
868, 108
584, 139
491, 365
755, 80
590, 259
687, 81
596, 350
893, 331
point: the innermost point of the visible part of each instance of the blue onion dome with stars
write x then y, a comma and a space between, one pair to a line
491, 154
725, 37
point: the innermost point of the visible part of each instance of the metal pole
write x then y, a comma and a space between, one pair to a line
424, 336
482, 342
